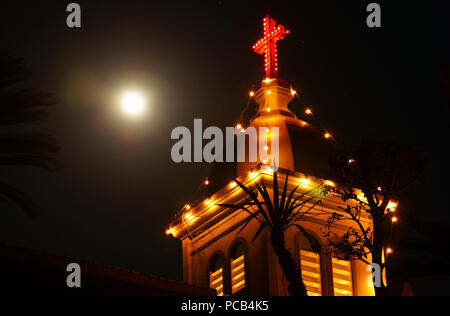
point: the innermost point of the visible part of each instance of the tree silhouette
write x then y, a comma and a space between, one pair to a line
383, 172
277, 214
20, 105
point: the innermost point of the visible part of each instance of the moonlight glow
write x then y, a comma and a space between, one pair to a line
133, 103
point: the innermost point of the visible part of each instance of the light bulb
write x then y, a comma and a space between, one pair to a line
330, 183
304, 181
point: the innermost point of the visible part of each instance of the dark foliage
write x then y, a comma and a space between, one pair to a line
276, 214
383, 172
20, 105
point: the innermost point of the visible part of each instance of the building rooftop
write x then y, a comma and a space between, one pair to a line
25, 270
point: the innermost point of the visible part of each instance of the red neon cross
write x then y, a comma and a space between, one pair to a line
268, 45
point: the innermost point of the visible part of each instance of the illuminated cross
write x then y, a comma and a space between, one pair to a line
268, 45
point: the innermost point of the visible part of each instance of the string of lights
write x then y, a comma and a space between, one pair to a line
267, 46
240, 126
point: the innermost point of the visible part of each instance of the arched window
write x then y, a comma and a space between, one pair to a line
237, 267
310, 267
342, 277
216, 274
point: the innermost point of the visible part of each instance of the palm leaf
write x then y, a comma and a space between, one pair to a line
25, 106
312, 241
283, 197
22, 200
28, 143
251, 217
275, 190
22, 105
242, 207
294, 213
42, 161
300, 197
288, 203
259, 231
268, 202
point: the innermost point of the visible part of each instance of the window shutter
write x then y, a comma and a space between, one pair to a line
310, 266
238, 274
342, 277
216, 281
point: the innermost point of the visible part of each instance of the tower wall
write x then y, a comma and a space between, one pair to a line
263, 273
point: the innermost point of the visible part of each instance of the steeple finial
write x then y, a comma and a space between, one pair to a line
268, 45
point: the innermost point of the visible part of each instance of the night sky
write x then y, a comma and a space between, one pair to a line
119, 188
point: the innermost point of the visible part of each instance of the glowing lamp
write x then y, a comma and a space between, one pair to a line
389, 251
394, 220
392, 206
327, 135
308, 112
304, 181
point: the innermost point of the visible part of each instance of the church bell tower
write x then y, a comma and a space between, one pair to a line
218, 250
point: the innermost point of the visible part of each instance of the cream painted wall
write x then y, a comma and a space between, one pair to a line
263, 274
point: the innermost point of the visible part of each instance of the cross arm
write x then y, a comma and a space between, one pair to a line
277, 34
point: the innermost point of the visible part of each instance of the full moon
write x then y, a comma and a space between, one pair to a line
133, 103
